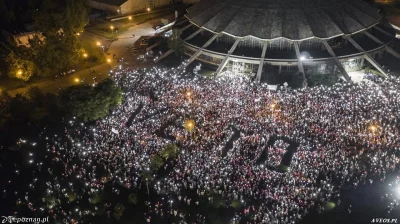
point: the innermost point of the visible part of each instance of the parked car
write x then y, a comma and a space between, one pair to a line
71, 71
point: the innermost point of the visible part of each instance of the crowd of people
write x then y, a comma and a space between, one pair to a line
347, 135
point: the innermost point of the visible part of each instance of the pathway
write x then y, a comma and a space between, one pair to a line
50, 85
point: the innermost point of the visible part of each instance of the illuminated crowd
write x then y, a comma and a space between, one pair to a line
348, 135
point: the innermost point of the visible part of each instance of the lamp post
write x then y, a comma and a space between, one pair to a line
112, 31
189, 96
19, 75
147, 184
85, 56
189, 126
98, 43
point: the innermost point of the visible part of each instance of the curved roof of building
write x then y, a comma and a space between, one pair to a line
291, 19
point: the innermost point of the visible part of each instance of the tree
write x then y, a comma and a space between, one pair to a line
58, 22
36, 96
58, 49
5, 114
170, 151
90, 103
156, 162
20, 108
65, 16
133, 198
175, 42
57, 53
119, 211
146, 175
51, 104
236, 204
19, 66
8, 16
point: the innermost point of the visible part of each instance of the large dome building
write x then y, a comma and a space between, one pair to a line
285, 36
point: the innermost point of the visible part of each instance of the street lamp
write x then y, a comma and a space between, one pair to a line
147, 184
112, 30
19, 72
148, 9
109, 60
130, 17
98, 43
189, 125
85, 56
76, 80
373, 128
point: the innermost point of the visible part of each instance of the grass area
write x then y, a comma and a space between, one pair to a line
120, 26
330, 206
97, 199
283, 168
236, 204
72, 197
95, 55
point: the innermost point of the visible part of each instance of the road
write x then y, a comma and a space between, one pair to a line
50, 85
117, 47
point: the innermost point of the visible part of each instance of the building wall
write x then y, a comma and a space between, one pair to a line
23, 39
187, 2
385, 1
104, 7
135, 6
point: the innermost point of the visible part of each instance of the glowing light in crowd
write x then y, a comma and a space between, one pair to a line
234, 110
189, 125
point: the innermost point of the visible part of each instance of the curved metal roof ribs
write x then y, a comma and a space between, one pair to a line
290, 19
